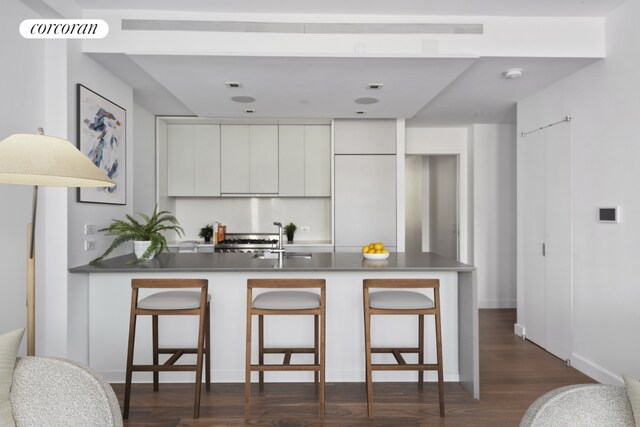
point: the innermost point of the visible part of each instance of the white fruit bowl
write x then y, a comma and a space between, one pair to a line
376, 256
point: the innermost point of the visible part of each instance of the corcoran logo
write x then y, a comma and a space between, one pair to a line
64, 29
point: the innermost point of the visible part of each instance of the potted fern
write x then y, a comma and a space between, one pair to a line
146, 234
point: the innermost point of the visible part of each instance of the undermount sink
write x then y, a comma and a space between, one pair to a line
270, 255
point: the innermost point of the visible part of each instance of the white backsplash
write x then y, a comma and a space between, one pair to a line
257, 214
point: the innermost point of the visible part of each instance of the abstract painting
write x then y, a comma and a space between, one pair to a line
102, 138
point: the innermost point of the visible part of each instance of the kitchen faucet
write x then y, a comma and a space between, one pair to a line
280, 251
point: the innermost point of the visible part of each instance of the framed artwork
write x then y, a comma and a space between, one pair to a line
102, 137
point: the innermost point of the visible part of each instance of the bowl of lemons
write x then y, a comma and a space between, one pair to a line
375, 250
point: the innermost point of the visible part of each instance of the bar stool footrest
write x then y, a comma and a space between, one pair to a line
407, 367
162, 368
277, 350
285, 368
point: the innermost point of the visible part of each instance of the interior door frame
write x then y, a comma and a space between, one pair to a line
448, 141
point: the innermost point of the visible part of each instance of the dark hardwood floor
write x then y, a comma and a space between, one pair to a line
513, 373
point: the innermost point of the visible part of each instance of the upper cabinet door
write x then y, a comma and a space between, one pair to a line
234, 158
263, 159
317, 155
180, 152
371, 136
292, 160
206, 160
193, 160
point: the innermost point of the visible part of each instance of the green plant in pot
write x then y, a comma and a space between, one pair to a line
206, 233
290, 230
146, 234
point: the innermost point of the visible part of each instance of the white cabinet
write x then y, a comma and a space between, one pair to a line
292, 161
365, 201
545, 235
249, 159
263, 159
234, 159
193, 162
317, 161
370, 136
305, 161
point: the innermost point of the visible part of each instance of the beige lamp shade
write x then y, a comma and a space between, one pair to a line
47, 161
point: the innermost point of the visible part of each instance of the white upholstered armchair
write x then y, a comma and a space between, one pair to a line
57, 392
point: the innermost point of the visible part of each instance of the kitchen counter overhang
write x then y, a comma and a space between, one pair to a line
109, 296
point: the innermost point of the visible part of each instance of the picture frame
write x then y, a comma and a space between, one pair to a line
102, 137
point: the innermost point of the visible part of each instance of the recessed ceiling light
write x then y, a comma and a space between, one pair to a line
361, 112
249, 111
375, 86
512, 73
243, 99
233, 85
366, 101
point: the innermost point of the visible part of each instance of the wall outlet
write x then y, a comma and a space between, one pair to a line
89, 245
305, 228
90, 229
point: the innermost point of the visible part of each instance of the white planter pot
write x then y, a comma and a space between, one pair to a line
140, 247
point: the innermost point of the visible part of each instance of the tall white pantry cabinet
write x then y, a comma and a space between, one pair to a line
365, 183
545, 255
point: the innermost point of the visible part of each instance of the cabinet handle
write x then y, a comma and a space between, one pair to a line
544, 249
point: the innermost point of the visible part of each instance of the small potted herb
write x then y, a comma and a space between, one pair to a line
206, 233
290, 230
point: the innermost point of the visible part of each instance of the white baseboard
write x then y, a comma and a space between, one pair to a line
595, 371
497, 303
518, 329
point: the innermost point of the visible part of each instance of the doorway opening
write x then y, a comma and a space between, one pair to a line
431, 210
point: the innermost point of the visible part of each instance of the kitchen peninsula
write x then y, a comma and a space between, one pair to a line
110, 295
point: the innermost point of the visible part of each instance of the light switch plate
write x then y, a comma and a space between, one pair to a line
89, 245
90, 229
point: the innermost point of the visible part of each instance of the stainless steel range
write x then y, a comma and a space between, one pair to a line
248, 243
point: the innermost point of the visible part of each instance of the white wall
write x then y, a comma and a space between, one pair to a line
443, 216
21, 111
488, 152
39, 90
144, 158
413, 204
83, 69
603, 100
244, 215
494, 208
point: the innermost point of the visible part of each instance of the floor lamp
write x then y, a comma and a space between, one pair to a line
43, 160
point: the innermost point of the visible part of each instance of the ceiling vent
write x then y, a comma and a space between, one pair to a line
249, 111
300, 27
233, 85
360, 112
375, 86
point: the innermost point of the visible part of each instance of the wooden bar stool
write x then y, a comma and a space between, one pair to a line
179, 302
402, 302
286, 302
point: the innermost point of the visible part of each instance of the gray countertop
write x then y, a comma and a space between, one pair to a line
340, 261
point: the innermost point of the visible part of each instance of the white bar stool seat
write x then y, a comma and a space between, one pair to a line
172, 300
287, 300
399, 300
